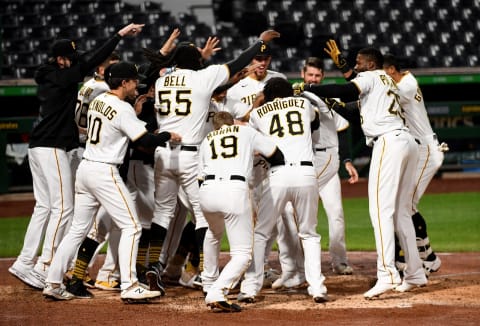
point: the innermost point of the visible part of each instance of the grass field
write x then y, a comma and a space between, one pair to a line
453, 225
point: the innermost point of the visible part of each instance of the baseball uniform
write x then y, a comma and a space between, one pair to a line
226, 161
287, 121
392, 170
430, 160
111, 124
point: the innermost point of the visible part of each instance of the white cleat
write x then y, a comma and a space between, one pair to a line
405, 286
57, 293
379, 289
431, 266
137, 293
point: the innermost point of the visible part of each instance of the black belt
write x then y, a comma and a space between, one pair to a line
184, 147
302, 163
232, 177
320, 149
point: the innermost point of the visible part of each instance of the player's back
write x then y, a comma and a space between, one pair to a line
287, 120
411, 99
230, 150
111, 124
380, 109
182, 99
247, 89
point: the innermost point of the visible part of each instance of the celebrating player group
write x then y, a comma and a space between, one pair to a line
159, 161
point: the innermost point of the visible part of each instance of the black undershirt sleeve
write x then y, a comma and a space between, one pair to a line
149, 140
244, 58
332, 90
276, 158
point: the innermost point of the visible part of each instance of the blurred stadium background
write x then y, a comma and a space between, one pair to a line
436, 39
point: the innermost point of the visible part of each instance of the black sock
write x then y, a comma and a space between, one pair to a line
85, 253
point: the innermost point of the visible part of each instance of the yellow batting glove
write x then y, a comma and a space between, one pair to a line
298, 88
337, 57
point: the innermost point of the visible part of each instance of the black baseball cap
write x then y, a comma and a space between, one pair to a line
124, 70
64, 48
264, 51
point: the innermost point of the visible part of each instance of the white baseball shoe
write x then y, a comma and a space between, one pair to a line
288, 282
431, 266
57, 293
379, 289
343, 269
405, 286
27, 275
137, 293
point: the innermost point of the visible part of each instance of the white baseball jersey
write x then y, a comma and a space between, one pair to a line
430, 158
411, 99
111, 124
90, 90
235, 107
287, 120
247, 89
182, 106
380, 110
224, 150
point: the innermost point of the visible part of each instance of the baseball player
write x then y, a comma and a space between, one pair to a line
430, 156
392, 169
181, 100
91, 245
288, 121
53, 135
226, 160
111, 124
246, 91
326, 149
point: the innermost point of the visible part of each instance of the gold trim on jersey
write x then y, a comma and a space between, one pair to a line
377, 193
325, 167
132, 218
52, 252
420, 177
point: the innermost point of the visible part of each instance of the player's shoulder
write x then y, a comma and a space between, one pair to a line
274, 74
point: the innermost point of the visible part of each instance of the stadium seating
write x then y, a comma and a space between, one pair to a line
431, 33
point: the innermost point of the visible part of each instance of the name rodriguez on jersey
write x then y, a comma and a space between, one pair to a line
102, 108
280, 105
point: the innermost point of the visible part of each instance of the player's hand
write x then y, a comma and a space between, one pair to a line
337, 57
333, 104
298, 88
443, 147
131, 29
269, 35
174, 137
138, 106
210, 47
352, 172
169, 45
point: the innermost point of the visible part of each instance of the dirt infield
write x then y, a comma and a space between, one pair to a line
451, 298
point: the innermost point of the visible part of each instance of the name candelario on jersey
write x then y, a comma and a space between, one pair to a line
85, 91
102, 108
224, 130
280, 105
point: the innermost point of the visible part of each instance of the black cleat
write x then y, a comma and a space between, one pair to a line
245, 298
320, 299
224, 306
154, 281
76, 287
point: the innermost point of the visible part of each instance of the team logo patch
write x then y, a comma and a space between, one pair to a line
73, 45
263, 48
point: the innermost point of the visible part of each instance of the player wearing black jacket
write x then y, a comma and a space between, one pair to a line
54, 133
